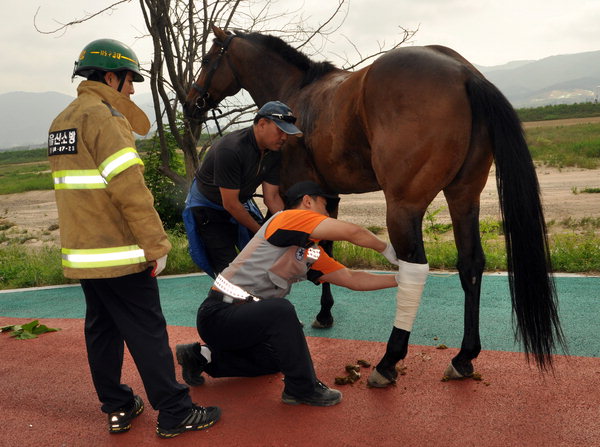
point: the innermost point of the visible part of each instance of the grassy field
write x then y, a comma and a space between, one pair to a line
575, 251
577, 145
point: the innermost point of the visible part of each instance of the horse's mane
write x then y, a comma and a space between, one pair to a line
312, 70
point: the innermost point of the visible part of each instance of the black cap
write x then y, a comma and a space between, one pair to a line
309, 188
281, 115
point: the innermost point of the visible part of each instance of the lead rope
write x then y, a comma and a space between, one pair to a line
217, 121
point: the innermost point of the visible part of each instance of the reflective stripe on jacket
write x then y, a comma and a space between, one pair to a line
107, 220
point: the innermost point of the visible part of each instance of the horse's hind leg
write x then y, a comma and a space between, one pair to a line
463, 204
324, 319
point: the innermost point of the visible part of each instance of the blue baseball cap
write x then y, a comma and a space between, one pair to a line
281, 115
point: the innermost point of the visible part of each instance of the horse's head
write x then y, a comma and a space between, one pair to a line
217, 79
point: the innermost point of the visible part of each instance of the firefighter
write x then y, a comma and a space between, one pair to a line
112, 240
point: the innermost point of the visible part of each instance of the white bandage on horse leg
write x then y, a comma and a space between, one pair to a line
411, 281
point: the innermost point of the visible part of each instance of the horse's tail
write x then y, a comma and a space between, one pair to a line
532, 289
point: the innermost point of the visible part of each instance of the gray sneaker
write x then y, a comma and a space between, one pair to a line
322, 396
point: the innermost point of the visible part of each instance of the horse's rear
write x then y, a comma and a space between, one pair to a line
427, 121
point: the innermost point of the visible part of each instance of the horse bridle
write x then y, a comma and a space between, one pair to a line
203, 101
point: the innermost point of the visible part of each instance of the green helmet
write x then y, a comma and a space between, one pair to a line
107, 55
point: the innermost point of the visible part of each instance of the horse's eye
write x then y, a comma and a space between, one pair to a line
204, 61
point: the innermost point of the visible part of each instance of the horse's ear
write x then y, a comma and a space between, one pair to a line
219, 33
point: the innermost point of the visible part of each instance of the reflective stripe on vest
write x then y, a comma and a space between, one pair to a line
230, 289
313, 254
118, 162
78, 179
102, 257
97, 178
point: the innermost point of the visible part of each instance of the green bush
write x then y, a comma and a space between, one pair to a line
169, 198
559, 111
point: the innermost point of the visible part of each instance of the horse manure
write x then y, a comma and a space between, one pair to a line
342, 380
350, 368
475, 376
353, 371
441, 346
402, 369
354, 375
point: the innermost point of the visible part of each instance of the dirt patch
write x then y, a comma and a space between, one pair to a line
35, 217
565, 122
559, 197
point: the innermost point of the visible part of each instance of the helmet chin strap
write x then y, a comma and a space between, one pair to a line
122, 75
121, 79
122, 82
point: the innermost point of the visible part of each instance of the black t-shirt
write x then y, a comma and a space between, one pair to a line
234, 162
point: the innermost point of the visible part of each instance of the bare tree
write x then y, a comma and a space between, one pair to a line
181, 34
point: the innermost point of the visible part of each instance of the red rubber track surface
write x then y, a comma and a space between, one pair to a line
47, 398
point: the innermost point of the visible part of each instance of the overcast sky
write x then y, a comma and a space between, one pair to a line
486, 32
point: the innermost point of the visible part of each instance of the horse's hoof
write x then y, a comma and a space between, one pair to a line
318, 325
451, 373
377, 380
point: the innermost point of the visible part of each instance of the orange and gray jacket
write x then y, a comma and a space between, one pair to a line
108, 224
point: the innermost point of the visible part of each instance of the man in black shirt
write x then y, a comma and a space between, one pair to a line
229, 175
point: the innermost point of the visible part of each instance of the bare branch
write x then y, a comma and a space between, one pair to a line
63, 26
320, 29
407, 35
181, 35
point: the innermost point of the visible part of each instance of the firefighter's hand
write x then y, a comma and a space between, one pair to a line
159, 265
390, 254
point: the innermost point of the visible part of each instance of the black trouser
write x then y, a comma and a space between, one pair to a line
256, 338
127, 310
219, 236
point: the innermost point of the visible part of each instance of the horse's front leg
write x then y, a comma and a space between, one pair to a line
406, 237
324, 319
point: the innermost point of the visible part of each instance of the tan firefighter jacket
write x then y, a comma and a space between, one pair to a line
108, 224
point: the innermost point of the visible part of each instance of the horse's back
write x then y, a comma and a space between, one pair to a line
402, 122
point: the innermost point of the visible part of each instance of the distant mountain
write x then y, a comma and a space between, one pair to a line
565, 79
507, 66
25, 116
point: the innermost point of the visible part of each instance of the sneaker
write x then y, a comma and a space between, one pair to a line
322, 396
192, 365
198, 419
120, 421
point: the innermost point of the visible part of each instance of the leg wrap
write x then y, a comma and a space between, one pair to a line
411, 281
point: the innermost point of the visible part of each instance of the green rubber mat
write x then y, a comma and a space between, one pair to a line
361, 315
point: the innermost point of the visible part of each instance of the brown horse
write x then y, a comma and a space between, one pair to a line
418, 121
